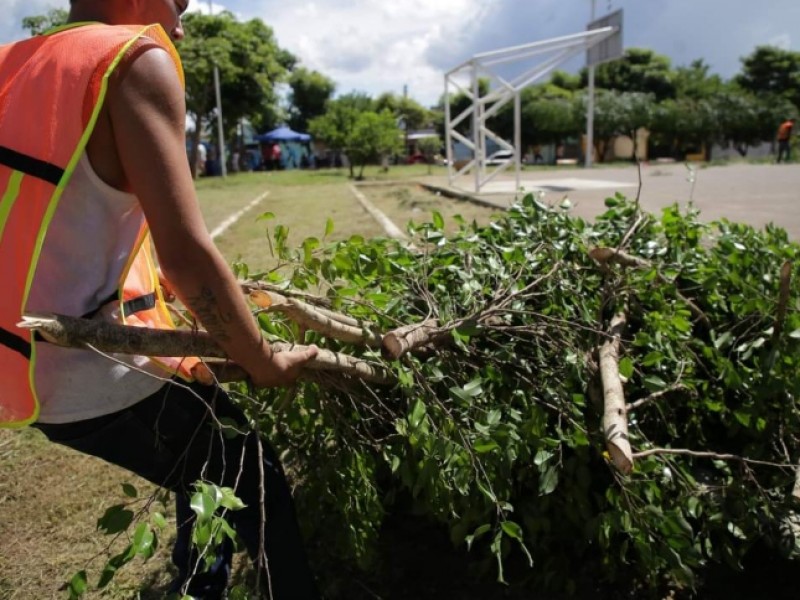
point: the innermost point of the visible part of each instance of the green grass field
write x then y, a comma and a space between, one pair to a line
51, 497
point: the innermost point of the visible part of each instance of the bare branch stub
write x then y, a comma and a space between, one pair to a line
615, 417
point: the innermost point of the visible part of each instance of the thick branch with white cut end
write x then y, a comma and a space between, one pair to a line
615, 416
327, 322
121, 339
404, 339
796, 490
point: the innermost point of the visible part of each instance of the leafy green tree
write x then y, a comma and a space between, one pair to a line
311, 90
405, 109
696, 82
374, 135
617, 113
683, 123
565, 81
746, 120
639, 70
250, 63
772, 71
37, 24
430, 147
335, 127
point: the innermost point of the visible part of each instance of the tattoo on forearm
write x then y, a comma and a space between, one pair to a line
207, 310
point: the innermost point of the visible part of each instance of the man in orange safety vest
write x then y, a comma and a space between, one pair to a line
92, 165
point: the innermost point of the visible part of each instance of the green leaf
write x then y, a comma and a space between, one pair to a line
548, 481
654, 383
512, 529
115, 519
143, 538
265, 216
203, 505
158, 520
438, 220
626, 367
417, 414
114, 564
476, 534
542, 456
723, 340
77, 585
129, 490
485, 446
328, 227
230, 500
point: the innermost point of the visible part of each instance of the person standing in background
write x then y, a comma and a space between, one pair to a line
784, 140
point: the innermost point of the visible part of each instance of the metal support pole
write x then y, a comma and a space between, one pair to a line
220, 132
517, 136
448, 141
589, 153
476, 128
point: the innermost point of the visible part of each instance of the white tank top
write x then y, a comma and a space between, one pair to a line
84, 254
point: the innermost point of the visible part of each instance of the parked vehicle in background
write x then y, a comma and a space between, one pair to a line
499, 157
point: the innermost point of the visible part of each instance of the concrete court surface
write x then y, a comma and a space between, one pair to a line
753, 194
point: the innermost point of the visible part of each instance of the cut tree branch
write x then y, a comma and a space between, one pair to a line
326, 322
783, 301
250, 285
112, 338
615, 418
400, 341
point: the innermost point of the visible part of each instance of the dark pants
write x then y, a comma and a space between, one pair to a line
172, 440
784, 150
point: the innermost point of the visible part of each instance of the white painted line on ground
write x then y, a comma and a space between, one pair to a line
389, 227
223, 227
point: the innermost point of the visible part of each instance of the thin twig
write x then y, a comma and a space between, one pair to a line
711, 455
656, 396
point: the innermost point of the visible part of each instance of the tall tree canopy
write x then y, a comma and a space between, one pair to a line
250, 63
405, 109
772, 71
311, 90
639, 70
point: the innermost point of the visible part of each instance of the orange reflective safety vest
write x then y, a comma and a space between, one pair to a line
39, 78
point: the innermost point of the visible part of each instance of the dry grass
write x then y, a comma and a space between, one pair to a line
50, 500
51, 497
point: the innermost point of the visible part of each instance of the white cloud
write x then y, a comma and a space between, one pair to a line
370, 45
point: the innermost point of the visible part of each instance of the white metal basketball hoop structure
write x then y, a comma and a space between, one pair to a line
544, 56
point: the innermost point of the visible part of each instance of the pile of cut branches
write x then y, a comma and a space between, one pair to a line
620, 395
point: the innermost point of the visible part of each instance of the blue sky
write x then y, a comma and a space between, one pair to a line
382, 45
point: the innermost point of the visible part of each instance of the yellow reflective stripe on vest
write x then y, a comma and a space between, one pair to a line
9, 197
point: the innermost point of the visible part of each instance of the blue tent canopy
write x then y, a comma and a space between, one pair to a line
283, 134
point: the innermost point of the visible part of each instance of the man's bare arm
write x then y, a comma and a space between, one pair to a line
147, 112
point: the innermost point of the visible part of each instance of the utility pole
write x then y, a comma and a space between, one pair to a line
589, 154
405, 120
220, 133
